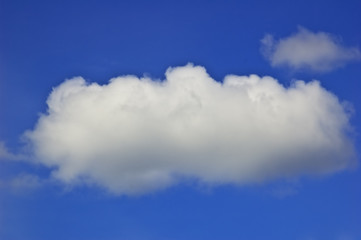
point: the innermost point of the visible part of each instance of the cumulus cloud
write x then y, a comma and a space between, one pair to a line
318, 52
136, 135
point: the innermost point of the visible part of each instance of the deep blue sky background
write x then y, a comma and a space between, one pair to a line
44, 42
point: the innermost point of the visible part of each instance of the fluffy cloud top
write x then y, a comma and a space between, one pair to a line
136, 135
319, 52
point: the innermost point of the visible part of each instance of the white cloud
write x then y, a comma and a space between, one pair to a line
134, 136
319, 52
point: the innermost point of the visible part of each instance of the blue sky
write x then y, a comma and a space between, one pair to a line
96, 193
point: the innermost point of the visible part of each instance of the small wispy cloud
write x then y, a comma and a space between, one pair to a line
307, 50
5, 154
286, 189
22, 183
